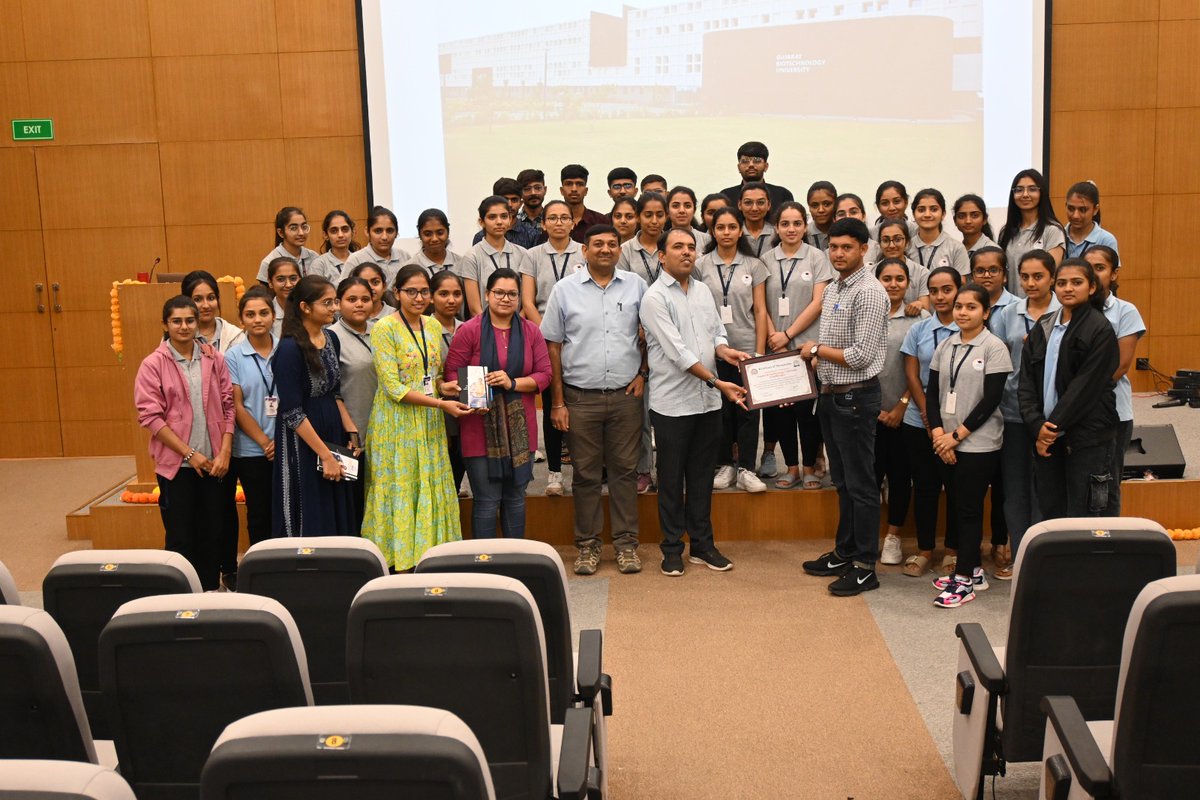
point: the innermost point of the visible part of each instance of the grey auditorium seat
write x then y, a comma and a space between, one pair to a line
337, 752
1073, 585
60, 780
1149, 750
9, 596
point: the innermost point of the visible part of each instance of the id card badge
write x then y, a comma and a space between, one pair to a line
951, 403
427, 386
271, 406
726, 315
785, 306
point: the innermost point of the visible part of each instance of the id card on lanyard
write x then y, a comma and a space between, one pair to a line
271, 401
726, 309
785, 302
952, 396
423, 349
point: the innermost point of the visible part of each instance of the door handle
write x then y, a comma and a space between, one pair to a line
39, 288
57, 304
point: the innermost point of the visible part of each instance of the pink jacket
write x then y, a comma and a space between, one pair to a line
161, 396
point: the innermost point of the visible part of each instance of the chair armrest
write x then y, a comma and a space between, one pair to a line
983, 657
1087, 762
577, 779
589, 676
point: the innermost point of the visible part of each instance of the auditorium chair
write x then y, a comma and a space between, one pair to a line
9, 596
41, 710
1149, 750
337, 752
60, 780
84, 588
1073, 585
176, 669
472, 644
315, 579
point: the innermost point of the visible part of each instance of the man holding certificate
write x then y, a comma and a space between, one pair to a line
849, 356
684, 339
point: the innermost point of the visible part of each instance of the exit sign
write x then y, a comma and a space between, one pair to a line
25, 130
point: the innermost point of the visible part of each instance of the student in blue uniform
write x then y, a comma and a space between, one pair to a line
291, 234
1030, 224
1083, 220
989, 269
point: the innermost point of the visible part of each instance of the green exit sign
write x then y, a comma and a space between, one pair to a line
25, 130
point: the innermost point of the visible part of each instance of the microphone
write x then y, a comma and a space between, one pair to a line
150, 276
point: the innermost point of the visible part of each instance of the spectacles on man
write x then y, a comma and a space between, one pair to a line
746, 161
503, 295
413, 294
623, 187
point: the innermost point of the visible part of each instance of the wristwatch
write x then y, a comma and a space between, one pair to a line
954, 436
645, 373
813, 351
711, 381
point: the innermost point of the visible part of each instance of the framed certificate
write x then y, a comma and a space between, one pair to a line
777, 379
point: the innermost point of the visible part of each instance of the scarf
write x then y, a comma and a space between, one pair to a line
505, 433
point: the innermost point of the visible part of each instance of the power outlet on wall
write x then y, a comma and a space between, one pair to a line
1143, 364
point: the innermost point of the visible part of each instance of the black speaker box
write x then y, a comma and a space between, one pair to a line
1153, 448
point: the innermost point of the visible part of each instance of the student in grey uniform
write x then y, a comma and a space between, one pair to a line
283, 273
493, 252
434, 231
624, 219
891, 454
891, 199
708, 207
1030, 224
338, 230
373, 275
291, 234
211, 329
822, 205
989, 269
850, 206
357, 364
931, 246
1127, 323
681, 213
755, 205
894, 243
1083, 221
966, 383
797, 274
971, 219
655, 184
737, 281
447, 289
381, 248
640, 254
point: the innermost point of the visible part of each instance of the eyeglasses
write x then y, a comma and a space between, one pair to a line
559, 218
330, 303
413, 294
625, 187
534, 187
892, 240
297, 227
1026, 190
986, 272
502, 295
746, 161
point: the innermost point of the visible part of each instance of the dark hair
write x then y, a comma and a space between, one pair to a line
617, 173
955, 277
893, 222
989, 250
325, 223
979, 202
743, 246
408, 272
441, 277
937, 196
708, 200
573, 172
1088, 190
790, 205
256, 293
489, 202
504, 186
432, 214
1097, 299
308, 290
1040, 256
822, 186
346, 284
662, 240
892, 262
501, 274
197, 277
380, 211
1045, 211
597, 230
683, 190
555, 202
621, 201
645, 198
855, 228
883, 187
528, 176
281, 261
281, 221
652, 178
366, 265
981, 294
756, 186
1114, 261
841, 198
754, 150
178, 301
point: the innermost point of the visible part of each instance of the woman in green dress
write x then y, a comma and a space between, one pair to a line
412, 503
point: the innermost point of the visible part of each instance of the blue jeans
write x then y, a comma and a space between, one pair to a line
848, 427
1021, 509
506, 496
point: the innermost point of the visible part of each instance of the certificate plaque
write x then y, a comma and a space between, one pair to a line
777, 379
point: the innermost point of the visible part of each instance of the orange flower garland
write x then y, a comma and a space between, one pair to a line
118, 336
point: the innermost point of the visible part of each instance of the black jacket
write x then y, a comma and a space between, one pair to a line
1087, 408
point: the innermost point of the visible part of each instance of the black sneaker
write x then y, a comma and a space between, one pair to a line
856, 581
828, 564
712, 559
672, 565
229, 581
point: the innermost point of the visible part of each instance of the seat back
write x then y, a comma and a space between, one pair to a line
9, 596
176, 669
315, 579
538, 566
1157, 724
41, 711
1074, 583
84, 588
471, 644
60, 780
335, 752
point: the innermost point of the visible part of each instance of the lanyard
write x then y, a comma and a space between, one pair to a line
762, 239
1028, 324
422, 347
653, 273
558, 276
932, 253
725, 284
784, 281
955, 370
936, 340
269, 385
365, 342
507, 263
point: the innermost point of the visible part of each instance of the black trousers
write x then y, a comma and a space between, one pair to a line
968, 480
687, 459
927, 478
193, 517
788, 422
891, 459
737, 425
552, 437
457, 466
255, 474
1074, 481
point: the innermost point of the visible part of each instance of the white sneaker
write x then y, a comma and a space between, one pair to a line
554, 487
538, 456
892, 552
724, 477
747, 481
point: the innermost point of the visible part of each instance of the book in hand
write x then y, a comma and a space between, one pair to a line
345, 457
474, 391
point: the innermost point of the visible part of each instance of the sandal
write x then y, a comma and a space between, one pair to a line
812, 481
949, 564
916, 566
1005, 573
787, 481
1002, 555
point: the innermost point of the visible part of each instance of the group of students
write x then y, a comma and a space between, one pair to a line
361, 347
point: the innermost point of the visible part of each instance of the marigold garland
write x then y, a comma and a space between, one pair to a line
118, 336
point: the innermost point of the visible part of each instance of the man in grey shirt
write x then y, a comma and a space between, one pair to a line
684, 338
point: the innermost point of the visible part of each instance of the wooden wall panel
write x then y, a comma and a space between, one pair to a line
211, 28
210, 98
12, 37
221, 249
57, 30
1087, 75
1174, 306
320, 94
222, 182
1126, 138
29, 439
85, 393
99, 186
1079, 11
14, 98
98, 437
1178, 66
316, 25
1178, 159
323, 174
1171, 353
1174, 237
1131, 215
29, 394
84, 339
19, 209
24, 266
95, 102
27, 333
86, 262
1138, 292
1179, 9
